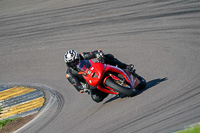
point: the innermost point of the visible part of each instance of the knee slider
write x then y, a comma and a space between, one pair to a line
68, 73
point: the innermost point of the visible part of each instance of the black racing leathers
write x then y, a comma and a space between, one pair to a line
75, 79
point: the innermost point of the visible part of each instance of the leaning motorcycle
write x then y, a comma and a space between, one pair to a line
111, 79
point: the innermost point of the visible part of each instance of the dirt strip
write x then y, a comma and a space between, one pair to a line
16, 124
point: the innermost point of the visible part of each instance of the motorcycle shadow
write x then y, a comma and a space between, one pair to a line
149, 85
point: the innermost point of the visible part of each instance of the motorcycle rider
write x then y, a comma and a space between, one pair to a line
72, 58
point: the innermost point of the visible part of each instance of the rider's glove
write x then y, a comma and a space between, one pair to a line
100, 55
85, 89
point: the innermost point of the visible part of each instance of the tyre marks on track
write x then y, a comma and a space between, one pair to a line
179, 112
60, 103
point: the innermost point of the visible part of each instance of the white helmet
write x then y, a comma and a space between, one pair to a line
71, 58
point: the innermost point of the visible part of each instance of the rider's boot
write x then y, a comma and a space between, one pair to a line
131, 70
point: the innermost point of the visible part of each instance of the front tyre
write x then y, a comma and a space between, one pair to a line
122, 90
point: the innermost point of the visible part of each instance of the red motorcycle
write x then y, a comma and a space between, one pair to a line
111, 79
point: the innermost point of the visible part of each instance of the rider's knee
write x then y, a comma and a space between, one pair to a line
68, 73
98, 96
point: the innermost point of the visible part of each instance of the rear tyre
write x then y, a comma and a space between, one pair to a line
122, 90
142, 83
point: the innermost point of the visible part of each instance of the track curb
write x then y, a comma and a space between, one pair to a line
49, 96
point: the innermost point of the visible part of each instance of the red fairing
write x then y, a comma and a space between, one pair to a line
120, 71
94, 72
111, 91
95, 69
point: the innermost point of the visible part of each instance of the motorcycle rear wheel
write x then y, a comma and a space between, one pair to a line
142, 83
121, 89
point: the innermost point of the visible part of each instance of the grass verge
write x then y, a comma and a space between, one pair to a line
4, 122
193, 129
16, 124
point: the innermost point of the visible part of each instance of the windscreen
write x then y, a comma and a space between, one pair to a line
84, 64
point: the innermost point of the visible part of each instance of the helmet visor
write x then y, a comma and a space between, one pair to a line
73, 63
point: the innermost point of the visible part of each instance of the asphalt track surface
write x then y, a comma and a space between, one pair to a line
160, 37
